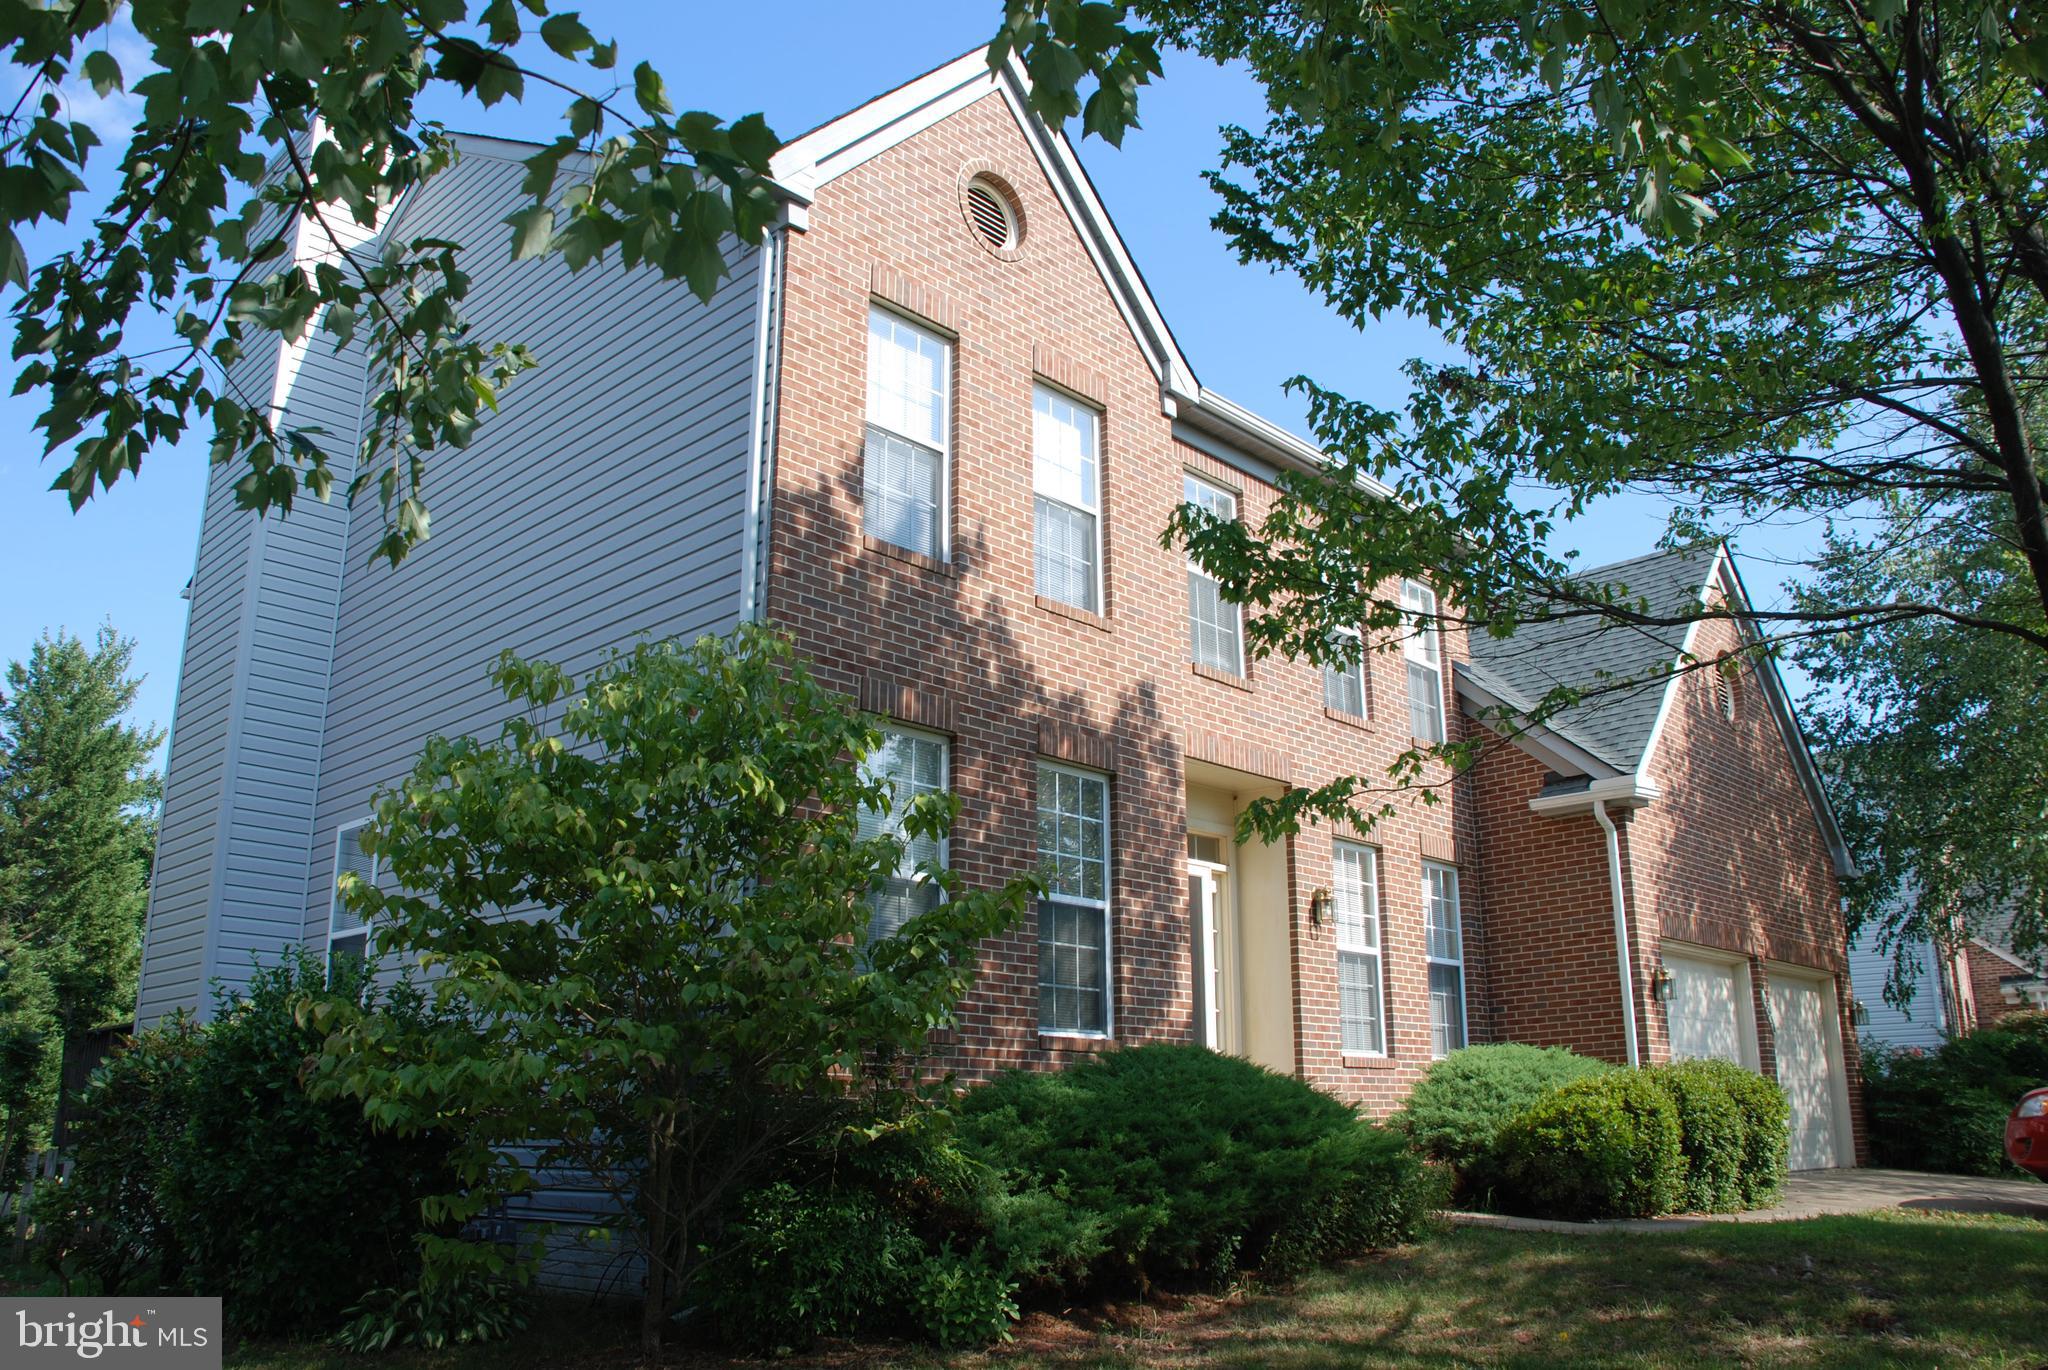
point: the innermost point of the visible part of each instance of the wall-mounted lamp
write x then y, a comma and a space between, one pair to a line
1318, 906
1859, 1013
1660, 984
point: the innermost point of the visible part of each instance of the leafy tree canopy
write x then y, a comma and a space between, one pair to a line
694, 822
262, 122
1770, 259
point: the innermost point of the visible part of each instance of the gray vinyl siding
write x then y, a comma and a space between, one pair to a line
1922, 1022
605, 499
238, 804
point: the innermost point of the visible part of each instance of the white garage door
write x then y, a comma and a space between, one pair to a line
1810, 1068
1709, 1009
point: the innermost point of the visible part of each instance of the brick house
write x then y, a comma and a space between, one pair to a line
933, 426
1659, 861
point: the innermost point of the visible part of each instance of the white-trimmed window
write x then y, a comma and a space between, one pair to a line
348, 935
1421, 646
904, 471
1215, 627
1066, 478
1073, 919
1443, 926
1344, 674
1361, 997
913, 764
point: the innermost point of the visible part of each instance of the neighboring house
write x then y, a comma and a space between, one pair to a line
933, 427
1659, 861
1984, 979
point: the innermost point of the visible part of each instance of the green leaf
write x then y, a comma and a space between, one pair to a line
565, 34
651, 91
533, 229
102, 71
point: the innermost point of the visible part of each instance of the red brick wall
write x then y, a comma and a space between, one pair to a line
1731, 855
1551, 960
1009, 676
1984, 969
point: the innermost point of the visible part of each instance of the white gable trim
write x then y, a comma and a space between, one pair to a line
1685, 649
835, 148
1723, 571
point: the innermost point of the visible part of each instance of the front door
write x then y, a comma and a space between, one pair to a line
1208, 883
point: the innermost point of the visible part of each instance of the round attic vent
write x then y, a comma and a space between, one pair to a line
989, 214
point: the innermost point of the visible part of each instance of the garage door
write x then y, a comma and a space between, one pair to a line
1709, 1009
1810, 1068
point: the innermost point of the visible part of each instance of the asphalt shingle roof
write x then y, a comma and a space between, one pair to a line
1621, 668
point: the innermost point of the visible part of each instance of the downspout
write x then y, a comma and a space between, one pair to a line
1628, 979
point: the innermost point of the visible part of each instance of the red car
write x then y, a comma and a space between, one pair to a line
2026, 1133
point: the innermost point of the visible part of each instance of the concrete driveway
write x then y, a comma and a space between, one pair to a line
1817, 1193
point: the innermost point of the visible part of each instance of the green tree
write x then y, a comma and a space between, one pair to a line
77, 829
1768, 259
1937, 735
692, 822
258, 117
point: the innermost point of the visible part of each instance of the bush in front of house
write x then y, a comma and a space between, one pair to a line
1172, 1163
1711, 1135
1765, 1113
1457, 1110
1607, 1146
1945, 1110
202, 1166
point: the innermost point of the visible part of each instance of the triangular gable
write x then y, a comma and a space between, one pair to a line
812, 161
1723, 573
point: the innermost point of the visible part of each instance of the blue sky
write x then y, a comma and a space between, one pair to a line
127, 554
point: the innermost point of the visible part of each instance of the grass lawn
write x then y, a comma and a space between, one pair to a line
1890, 1290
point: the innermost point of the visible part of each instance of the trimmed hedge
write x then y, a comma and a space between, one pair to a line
1167, 1162
1946, 1110
1710, 1134
1603, 1147
1766, 1114
1457, 1110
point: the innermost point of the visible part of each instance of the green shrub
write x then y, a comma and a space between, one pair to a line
1765, 1113
1457, 1109
463, 1311
1174, 1162
796, 1264
1946, 1110
242, 1186
959, 1302
1710, 1134
1602, 1147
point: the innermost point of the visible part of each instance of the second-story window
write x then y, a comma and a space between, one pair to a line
1066, 476
1215, 629
1420, 645
1344, 674
904, 473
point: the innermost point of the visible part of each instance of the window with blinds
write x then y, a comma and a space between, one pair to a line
1344, 674
1066, 478
904, 468
1355, 898
1443, 927
1215, 628
1073, 918
912, 764
1421, 648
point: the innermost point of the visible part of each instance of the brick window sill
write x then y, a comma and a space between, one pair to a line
1068, 611
1355, 1061
1340, 716
1235, 682
871, 543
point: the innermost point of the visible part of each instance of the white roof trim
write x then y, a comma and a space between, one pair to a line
1624, 790
1685, 649
835, 148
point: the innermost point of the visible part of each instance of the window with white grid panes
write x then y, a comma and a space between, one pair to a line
1066, 479
1073, 918
904, 474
